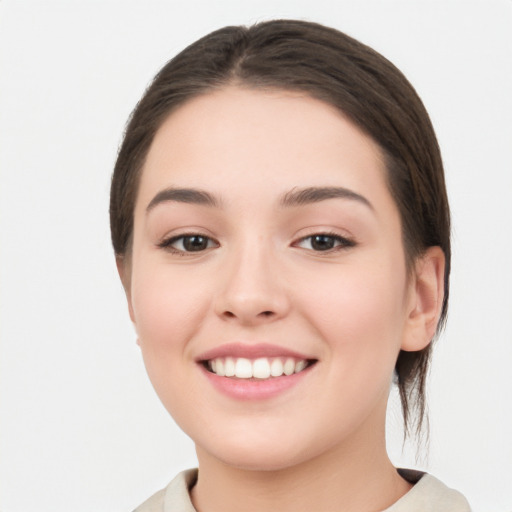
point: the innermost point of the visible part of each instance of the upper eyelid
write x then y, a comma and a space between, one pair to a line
341, 238
167, 241
189, 232
326, 232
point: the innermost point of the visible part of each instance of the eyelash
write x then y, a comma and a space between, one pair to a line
167, 244
340, 243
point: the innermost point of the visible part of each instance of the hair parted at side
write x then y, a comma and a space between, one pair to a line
330, 66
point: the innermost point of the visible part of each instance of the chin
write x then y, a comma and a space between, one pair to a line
258, 461
252, 453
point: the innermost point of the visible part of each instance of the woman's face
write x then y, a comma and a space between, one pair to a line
266, 242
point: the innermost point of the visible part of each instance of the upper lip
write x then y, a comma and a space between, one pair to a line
249, 351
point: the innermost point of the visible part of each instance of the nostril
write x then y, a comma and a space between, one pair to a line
248, 316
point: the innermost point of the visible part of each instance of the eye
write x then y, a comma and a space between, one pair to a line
324, 242
188, 243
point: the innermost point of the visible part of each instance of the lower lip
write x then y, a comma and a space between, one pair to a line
254, 389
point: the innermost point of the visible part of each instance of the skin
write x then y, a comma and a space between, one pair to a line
320, 443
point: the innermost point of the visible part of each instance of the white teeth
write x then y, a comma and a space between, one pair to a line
229, 367
300, 365
243, 368
219, 368
261, 368
289, 366
276, 368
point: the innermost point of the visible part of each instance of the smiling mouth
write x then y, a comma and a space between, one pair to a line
259, 369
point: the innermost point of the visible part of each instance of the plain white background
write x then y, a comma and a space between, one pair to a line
81, 428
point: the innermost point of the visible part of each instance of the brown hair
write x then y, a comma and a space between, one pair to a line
330, 66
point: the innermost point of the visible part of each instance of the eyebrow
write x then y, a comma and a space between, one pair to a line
299, 197
183, 195
295, 197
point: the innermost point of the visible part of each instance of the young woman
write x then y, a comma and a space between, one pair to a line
281, 228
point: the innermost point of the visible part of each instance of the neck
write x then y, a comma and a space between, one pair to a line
355, 476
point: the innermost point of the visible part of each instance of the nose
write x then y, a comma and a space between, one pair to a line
252, 290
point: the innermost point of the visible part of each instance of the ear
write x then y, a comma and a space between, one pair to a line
425, 300
124, 271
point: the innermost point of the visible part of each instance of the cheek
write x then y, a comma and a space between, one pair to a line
361, 318
361, 312
168, 311
167, 306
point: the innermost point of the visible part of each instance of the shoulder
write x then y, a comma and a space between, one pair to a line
153, 504
174, 498
429, 495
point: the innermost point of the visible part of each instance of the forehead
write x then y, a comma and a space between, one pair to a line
240, 136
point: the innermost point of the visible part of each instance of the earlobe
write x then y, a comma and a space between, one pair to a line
124, 271
426, 301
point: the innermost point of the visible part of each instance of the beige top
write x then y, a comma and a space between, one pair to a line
427, 495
